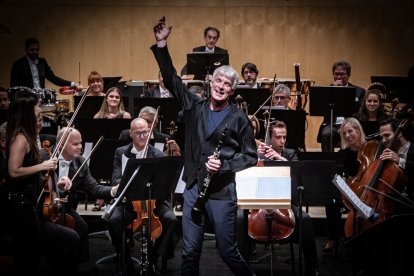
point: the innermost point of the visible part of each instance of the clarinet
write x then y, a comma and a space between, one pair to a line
197, 213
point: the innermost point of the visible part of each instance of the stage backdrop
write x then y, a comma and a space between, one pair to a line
113, 37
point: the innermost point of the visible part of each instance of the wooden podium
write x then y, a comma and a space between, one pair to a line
264, 188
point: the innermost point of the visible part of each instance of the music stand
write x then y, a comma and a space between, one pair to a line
146, 179
92, 129
332, 101
397, 87
254, 98
109, 82
295, 124
101, 165
90, 106
202, 64
311, 186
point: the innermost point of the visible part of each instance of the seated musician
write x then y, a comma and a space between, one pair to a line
159, 91
371, 109
164, 245
112, 106
341, 71
352, 137
277, 151
70, 162
401, 153
249, 73
281, 96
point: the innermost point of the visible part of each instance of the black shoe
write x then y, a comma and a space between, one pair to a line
179, 207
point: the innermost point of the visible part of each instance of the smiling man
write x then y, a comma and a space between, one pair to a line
205, 124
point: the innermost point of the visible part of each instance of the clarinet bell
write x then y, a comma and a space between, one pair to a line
198, 216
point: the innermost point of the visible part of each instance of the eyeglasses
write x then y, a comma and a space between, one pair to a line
282, 98
140, 133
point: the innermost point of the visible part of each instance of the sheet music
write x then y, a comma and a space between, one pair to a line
124, 162
362, 208
87, 150
159, 146
179, 189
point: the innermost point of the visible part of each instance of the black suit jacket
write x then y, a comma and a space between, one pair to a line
21, 75
126, 150
217, 50
238, 150
158, 136
84, 181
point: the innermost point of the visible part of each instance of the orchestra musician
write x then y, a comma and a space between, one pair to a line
112, 106
249, 73
96, 84
32, 233
211, 37
276, 151
164, 245
70, 162
32, 71
159, 91
352, 137
341, 71
205, 122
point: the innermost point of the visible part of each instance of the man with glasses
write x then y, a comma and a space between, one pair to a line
164, 245
32, 70
211, 36
341, 71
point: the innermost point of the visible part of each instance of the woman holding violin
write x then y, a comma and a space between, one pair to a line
31, 232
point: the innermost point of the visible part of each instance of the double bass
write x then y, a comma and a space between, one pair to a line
379, 187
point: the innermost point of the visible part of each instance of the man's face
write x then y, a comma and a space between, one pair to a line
73, 148
32, 51
4, 100
340, 75
211, 39
139, 132
221, 90
147, 117
249, 76
278, 139
280, 99
386, 134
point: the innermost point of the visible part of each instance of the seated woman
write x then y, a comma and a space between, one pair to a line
112, 107
352, 137
372, 109
96, 84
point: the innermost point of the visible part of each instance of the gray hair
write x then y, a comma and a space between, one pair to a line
282, 88
228, 72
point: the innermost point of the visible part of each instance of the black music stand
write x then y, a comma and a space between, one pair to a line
311, 186
202, 64
110, 82
397, 87
90, 106
146, 179
92, 129
295, 123
375, 240
254, 98
101, 165
332, 101
168, 112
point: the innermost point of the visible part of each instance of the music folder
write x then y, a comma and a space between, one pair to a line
200, 63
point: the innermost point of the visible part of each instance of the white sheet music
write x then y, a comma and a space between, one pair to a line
362, 208
124, 162
179, 189
87, 150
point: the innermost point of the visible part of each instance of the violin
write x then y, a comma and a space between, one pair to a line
270, 224
381, 183
54, 210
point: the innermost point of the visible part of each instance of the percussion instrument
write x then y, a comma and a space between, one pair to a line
66, 90
47, 98
63, 105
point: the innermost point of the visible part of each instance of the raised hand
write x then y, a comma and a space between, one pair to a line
161, 31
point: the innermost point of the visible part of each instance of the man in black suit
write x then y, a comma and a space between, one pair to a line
32, 70
341, 71
159, 91
211, 36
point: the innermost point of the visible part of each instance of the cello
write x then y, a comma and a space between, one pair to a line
381, 183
